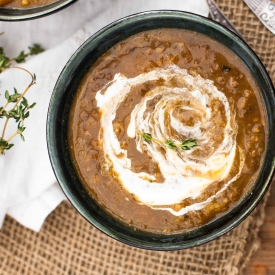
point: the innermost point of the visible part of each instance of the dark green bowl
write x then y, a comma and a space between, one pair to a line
16, 14
60, 105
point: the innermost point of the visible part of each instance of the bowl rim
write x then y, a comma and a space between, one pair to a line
125, 239
23, 14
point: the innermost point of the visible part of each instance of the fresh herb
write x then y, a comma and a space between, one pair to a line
6, 62
185, 145
226, 69
188, 144
147, 137
19, 112
170, 144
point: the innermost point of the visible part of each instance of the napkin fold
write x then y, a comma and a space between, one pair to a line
28, 188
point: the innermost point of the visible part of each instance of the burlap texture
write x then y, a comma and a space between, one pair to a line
67, 244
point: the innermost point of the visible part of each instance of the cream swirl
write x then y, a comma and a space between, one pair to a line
184, 107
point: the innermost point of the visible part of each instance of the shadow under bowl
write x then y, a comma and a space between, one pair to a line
60, 106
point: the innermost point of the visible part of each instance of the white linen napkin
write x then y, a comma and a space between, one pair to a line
28, 188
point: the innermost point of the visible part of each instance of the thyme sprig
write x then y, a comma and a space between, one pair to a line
184, 145
6, 62
19, 112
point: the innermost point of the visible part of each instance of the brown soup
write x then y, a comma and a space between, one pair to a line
167, 130
24, 3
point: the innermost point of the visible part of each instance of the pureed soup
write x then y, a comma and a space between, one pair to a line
166, 130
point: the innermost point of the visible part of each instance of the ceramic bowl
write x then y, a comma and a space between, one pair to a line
60, 105
16, 14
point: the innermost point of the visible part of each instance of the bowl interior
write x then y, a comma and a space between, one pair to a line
16, 14
57, 128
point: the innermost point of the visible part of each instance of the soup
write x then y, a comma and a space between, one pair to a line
24, 3
167, 130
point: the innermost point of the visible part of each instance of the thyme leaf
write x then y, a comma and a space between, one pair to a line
170, 144
35, 49
21, 57
147, 137
188, 144
4, 145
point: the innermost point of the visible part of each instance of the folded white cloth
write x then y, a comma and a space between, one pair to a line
28, 188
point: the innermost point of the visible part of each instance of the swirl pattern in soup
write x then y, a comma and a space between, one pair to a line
140, 103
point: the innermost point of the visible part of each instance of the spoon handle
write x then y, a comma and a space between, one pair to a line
265, 11
218, 16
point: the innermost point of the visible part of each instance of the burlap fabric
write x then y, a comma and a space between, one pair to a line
67, 244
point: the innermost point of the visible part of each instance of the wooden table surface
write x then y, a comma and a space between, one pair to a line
263, 261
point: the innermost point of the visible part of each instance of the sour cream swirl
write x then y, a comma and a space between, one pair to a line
191, 109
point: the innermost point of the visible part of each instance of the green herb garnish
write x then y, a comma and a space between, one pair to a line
185, 145
147, 137
19, 112
6, 62
170, 144
188, 144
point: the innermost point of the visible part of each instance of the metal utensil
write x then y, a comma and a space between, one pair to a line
265, 11
218, 16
